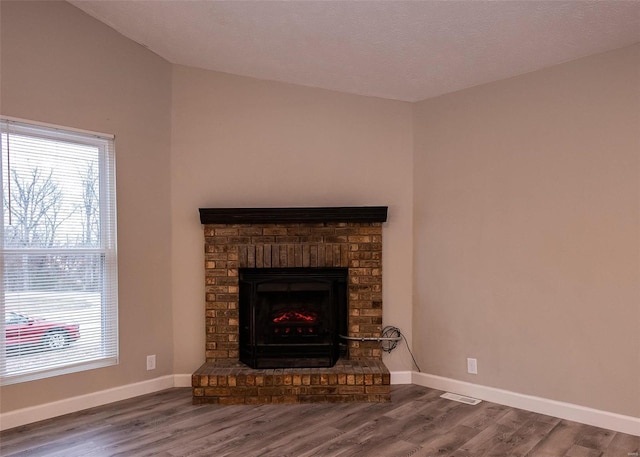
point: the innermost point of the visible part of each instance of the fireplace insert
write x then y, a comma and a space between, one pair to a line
292, 317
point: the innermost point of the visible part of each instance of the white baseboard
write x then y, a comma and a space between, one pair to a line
400, 377
182, 380
71, 405
569, 411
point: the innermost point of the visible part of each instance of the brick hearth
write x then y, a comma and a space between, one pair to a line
279, 240
233, 383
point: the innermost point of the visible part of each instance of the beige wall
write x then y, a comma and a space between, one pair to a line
60, 66
244, 142
527, 233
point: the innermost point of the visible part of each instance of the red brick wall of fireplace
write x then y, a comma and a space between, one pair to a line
356, 246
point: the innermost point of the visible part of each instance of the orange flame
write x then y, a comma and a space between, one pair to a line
295, 316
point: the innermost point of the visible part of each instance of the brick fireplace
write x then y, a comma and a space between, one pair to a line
243, 239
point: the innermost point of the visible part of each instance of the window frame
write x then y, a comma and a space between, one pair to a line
107, 249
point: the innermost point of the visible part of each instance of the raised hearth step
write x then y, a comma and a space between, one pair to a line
233, 383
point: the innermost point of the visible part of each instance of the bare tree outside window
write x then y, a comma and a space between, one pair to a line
34, 207
90, 207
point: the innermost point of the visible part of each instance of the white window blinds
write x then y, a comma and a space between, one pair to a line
58, 296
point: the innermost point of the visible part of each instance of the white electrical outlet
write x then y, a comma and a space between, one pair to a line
151, 362
472, 366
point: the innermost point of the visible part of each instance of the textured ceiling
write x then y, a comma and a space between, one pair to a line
404, 50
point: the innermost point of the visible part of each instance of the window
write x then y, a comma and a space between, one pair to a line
58, 295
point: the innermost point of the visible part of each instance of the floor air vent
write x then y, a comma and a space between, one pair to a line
460, 398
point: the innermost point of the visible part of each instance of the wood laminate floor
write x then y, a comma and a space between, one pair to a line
415, 423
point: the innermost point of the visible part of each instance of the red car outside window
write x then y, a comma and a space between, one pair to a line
21, 330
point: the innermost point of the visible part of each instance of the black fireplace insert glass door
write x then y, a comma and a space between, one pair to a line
292, 317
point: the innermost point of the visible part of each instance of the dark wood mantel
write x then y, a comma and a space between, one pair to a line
362, 214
